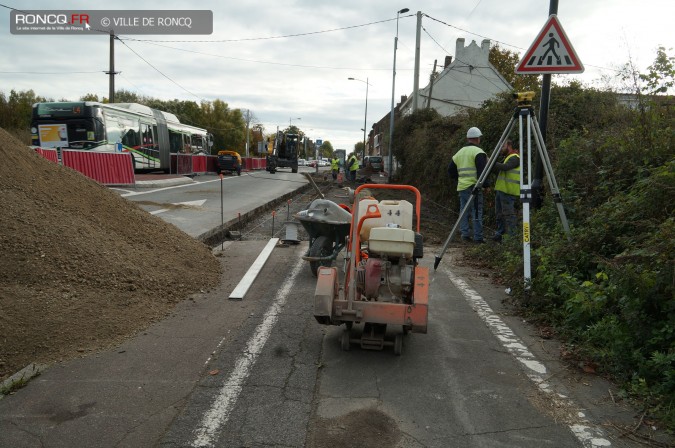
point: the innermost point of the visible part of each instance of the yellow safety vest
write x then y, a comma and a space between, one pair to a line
355, 165
509, 181
465, 159
334, 164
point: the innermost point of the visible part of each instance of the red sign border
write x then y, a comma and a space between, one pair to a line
576, 67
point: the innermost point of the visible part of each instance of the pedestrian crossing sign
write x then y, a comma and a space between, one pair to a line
551, 52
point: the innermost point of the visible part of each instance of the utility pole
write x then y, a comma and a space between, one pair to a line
416, 81
538, 183
111, 83
248, 139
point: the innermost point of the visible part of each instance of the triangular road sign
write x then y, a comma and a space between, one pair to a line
551, 52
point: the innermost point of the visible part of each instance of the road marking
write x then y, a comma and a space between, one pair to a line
221, 408
583, 430
155, 190
250, 276
197, 203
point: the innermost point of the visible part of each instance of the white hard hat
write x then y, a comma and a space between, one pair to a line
474, 133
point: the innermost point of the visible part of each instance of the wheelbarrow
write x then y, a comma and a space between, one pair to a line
327, 225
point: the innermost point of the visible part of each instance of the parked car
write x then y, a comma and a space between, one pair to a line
324, 162
302, 162
229, 161
312, 163
374, 163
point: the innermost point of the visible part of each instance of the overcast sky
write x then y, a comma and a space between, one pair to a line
305, 77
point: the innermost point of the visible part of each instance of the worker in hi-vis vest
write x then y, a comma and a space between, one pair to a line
466, 167
335, 166
353, 166
507, 190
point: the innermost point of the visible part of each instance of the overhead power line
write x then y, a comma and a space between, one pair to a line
160, 72
284, 36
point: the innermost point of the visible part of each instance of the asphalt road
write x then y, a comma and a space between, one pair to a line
262, 372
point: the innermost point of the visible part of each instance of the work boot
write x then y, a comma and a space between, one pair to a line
497, 238
466, 239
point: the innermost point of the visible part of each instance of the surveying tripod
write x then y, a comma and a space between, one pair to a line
523, 112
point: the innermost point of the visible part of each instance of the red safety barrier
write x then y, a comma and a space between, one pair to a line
211, 164
104, 167
199, 163
49, 154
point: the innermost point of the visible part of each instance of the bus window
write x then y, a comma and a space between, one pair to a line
113, 131
198, 145
131, 139
175, 141
148, 141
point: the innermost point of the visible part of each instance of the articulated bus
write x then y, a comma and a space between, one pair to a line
149, 135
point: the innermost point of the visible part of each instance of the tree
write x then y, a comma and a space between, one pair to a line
90, 97
505, 61
326, 149
661, 75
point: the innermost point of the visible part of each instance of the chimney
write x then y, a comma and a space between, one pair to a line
448, 61
485, 47
459, 48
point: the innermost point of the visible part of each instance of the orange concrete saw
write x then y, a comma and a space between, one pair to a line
383, 283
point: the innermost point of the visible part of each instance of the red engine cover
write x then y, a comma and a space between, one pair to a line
373, 277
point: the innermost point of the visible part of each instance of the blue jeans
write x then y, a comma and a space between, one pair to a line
476, 213
505, 213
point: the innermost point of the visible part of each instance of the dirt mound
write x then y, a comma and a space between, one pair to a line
80, 267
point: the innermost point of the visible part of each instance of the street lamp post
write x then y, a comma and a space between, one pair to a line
365, 118
290, 121
393, 91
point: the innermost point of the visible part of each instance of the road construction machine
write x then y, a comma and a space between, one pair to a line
383, 283
283, 152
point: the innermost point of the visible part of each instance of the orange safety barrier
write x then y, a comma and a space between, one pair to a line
104, 167
199, 163
49, 154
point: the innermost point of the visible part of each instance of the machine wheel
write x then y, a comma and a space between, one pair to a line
321, 247
345, 340
294, 170
398, 344
349, 324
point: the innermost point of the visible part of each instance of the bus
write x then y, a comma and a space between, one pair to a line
149, 135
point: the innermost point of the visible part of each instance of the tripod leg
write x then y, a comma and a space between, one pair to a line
548, 168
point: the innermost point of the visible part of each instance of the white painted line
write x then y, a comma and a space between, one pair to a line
197, 203
250, 276
589, 435
155, 190
221, 408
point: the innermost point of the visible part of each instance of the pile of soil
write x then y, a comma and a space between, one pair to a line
81, 268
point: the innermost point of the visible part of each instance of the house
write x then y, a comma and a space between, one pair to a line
465, 82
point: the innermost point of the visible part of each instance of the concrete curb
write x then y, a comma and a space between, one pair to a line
20, 378
214, 236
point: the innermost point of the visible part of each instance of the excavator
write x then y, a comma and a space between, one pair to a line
283, 152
